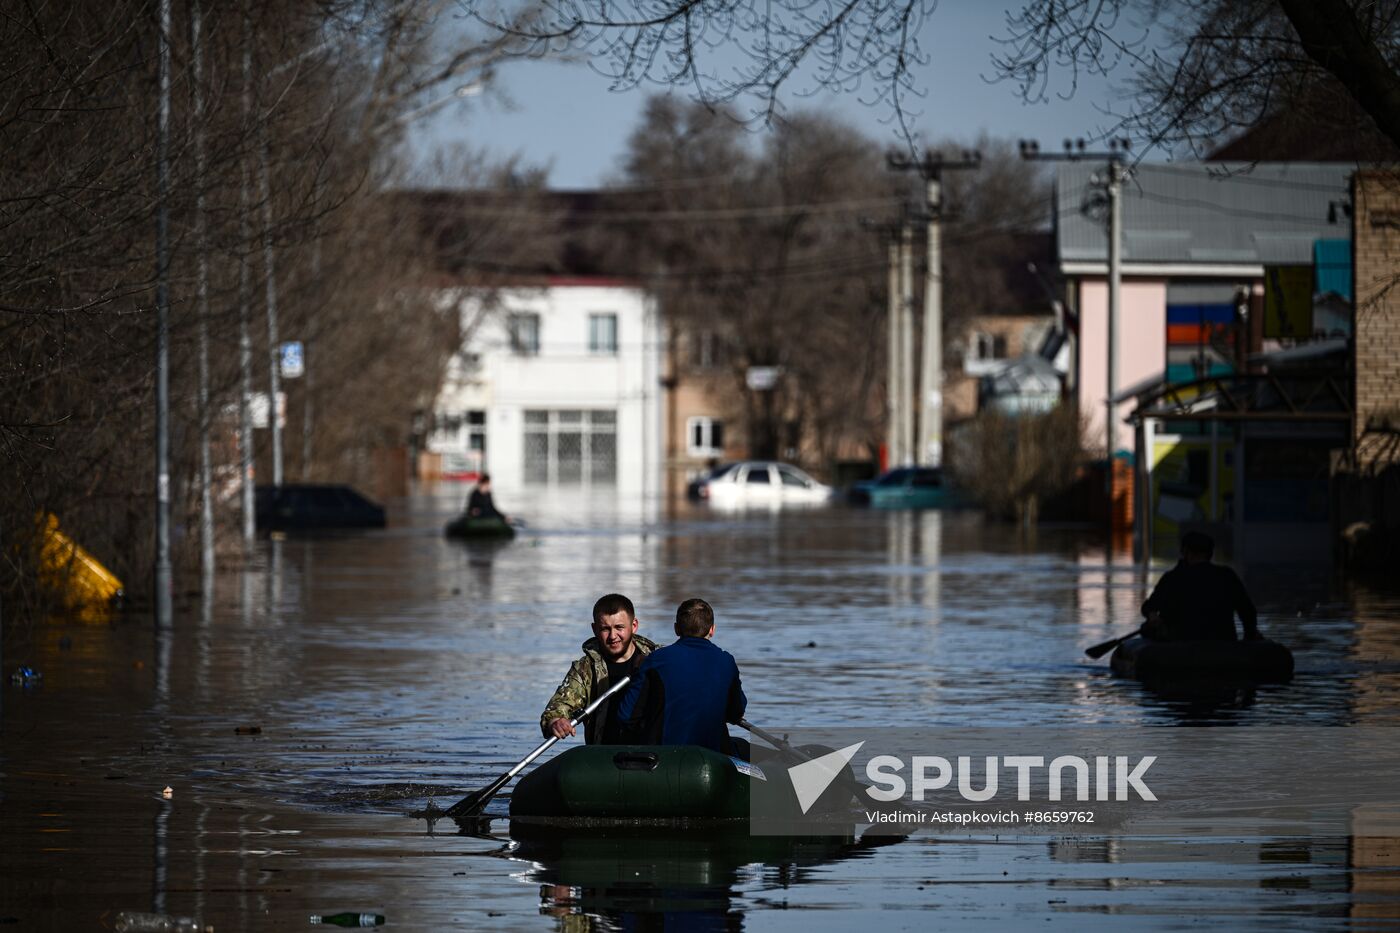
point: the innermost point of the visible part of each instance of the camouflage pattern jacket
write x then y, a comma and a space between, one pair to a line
586, 680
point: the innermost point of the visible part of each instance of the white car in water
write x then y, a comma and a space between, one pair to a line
762, 482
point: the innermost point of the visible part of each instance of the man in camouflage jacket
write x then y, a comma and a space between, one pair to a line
614, 649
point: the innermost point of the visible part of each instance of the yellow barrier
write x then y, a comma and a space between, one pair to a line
66, 568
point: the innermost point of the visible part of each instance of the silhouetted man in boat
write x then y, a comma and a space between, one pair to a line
686, 692
614, 651
479, 504
1197, 600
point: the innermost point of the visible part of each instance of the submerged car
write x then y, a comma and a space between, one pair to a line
695, 489
904, 487
762, 482
307, 507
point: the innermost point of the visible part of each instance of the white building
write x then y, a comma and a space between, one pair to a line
556, 389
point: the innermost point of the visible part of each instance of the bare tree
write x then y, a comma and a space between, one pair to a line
1200, 71
1011, 463
761, 251
333, 86
1197, 70
990, 213
866, 46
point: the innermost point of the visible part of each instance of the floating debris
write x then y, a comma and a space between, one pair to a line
137, 921
26, 677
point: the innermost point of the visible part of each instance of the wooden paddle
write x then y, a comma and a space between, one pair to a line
1098, 651
472, 804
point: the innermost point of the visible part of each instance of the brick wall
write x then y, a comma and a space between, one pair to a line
1376, 245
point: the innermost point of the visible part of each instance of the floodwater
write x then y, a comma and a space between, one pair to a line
384, 668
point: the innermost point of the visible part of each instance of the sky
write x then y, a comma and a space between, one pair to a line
564, 116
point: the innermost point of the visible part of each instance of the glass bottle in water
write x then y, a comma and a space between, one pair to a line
349, 919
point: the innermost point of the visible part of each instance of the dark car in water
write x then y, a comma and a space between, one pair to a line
903, 487
307, 507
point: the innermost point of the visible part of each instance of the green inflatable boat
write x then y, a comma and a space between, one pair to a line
652, 783
1260, 661
472, 529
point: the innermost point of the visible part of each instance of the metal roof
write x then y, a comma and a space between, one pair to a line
1027, 374
1265, 213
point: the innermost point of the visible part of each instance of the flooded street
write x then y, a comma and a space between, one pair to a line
335, 684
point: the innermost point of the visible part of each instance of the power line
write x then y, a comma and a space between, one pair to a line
592, 215
1111, 181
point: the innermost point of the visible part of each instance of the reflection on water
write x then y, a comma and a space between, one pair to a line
368, 672
605, 878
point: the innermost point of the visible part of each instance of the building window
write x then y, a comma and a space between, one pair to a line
704, 437
707, 351
987, 347
571, 446
524, 329
474, 431
602, 333
460, 437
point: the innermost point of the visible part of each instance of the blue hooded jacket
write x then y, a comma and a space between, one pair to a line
684, 694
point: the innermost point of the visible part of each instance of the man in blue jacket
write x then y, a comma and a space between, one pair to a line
684, 694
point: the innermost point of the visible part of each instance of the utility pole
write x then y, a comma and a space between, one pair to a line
1112, 181
1115, 282
894, 380
164, 581
206, 471
306, 373
906, 343
899, 380
245, 301
929, 451
306, 411
274, 345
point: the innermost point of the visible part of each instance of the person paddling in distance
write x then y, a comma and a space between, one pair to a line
1197, 600
480, 504
614, 651
684, 694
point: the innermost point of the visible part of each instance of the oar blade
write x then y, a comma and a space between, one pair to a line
471, 805
1099, 651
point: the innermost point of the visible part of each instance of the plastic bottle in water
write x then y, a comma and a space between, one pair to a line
136, 921
349, 920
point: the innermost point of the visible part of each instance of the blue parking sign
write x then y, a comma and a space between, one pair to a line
293, 359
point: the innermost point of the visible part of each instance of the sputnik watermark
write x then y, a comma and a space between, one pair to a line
1113, 777
975, 818
1099, 779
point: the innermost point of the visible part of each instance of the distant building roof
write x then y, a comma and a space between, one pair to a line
1028, 374
1324, 125
1305, 353
1224, 214
520, 233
